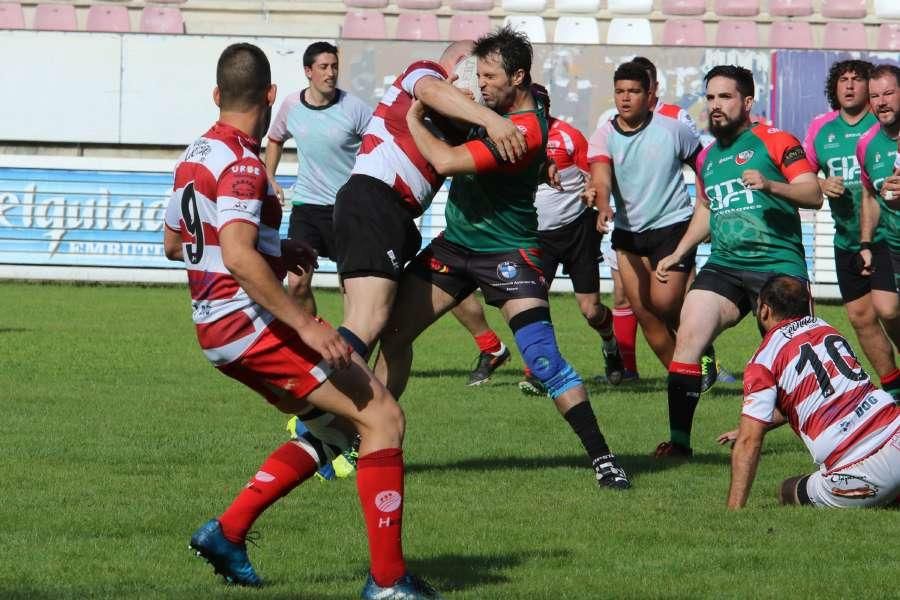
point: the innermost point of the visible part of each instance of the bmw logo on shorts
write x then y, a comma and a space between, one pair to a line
507, 271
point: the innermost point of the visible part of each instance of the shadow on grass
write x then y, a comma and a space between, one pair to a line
455, 572
14, 329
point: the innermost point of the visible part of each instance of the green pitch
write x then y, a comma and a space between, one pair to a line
119, 439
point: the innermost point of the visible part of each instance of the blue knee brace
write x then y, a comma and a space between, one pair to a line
538, 347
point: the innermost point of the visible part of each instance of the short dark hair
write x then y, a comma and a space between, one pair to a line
647, 64
513, 46
787, 296
885, 69
243, 76
315, 49
743, 78
632, 71
861, 67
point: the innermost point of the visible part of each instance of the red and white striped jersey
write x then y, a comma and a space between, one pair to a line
388, 151
807, 370
567, 148
221, 180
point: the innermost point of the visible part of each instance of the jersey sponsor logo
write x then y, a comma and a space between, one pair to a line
507, 271
790, 330
743, 157
831, 138
729, 195
792, 155
522, 128
198, 151
248, 169
388, 500
437, 266
844, 166
852, 486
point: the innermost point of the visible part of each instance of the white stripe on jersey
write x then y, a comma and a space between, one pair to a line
233, 350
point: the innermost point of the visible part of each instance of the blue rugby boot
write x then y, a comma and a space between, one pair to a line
408, 587
227, 558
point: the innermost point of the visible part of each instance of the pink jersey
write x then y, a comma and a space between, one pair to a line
220, 180
388, 151
807, 370
567, 148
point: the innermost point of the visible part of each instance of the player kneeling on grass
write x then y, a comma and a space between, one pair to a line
222, 220
806, 374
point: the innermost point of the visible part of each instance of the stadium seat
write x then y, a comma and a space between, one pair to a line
55, 17
688, 8
576, 30
365, 25
471, 4
11, 16
887, 9
108, 17
791, 34
524, 5
845, 36
417, 26
737, 8
684, 32
630, 32
630, 7
419, 4
843, 9
365, 3
161, 19
577, 6
889, 36
790, 8
737, 34
530, 25
468, 27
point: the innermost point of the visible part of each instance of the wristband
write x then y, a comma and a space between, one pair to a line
865, 246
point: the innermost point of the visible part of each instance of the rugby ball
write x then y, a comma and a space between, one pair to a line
467, 77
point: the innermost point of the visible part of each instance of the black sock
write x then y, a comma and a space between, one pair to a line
684, 393
583, 422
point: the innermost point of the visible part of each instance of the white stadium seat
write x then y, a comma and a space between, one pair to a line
576, 6
630, 32
530, 25
630, 7
887, 9
576, 30
524, 6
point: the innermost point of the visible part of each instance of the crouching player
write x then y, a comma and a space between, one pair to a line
806, 371
223, 220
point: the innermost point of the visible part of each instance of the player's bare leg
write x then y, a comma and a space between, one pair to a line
423, 304
300, 288
636, 282
367, 305
600, 318
871, 335
492, 351
787, 492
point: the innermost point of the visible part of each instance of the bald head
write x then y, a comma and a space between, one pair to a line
454, 53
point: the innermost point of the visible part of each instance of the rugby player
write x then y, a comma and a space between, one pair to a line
327, 124
750, 183
491, 243
805, 373
222, 221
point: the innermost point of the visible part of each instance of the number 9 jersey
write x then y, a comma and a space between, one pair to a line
808, 371
220, 180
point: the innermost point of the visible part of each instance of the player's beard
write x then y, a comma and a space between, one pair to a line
759, 325
264, 124
728, 129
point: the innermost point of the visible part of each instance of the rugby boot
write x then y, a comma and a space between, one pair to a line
672, 450
610, 474
228, 559
408, 587
485, 366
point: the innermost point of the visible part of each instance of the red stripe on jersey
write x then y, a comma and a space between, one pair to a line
406, 194
530, 262
833, 412
203, 179
669, 110
784, 149
369, 143
225, 330
756, 378
790, 350
207, 285
884, 418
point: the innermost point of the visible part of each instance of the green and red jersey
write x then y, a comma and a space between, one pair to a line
876, 153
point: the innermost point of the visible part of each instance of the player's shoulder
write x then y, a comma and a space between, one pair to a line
773, 135
427, 65
704, 153
293, 99
823, 119
670, 111
558, 127
868, 136
215, 150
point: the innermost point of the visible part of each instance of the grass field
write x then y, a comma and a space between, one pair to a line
119, 439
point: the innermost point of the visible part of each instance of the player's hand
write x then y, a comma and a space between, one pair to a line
605, 216
551, 175
754, 180
727, 438
663, 266
833, 187
890, 191
509, 141
279, 191
322, 338
416, 111
298, 257
589, 196
865, 262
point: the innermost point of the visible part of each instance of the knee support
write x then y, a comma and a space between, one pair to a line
537, 344
318, 436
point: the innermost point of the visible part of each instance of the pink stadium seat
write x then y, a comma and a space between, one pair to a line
366, 25
845, 36
417, 26
791, 34
790, 8
737, 8
11, 16
684, 32
843, 9
468, 27
889, 36
684, 7
365, 3
419, 4
471, 4
737, 34
107, 17
161, 19
55, 17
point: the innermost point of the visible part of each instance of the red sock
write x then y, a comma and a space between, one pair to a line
488, 342
379, 481
625, 327
285, 469
891, 383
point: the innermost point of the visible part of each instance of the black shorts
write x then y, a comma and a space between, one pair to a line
577, 246
501, 276
739, 286
313, 224
655, 244
853, 285
895, 260
375, 234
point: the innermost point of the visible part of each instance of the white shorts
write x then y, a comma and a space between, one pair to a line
874, 481
610, 258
